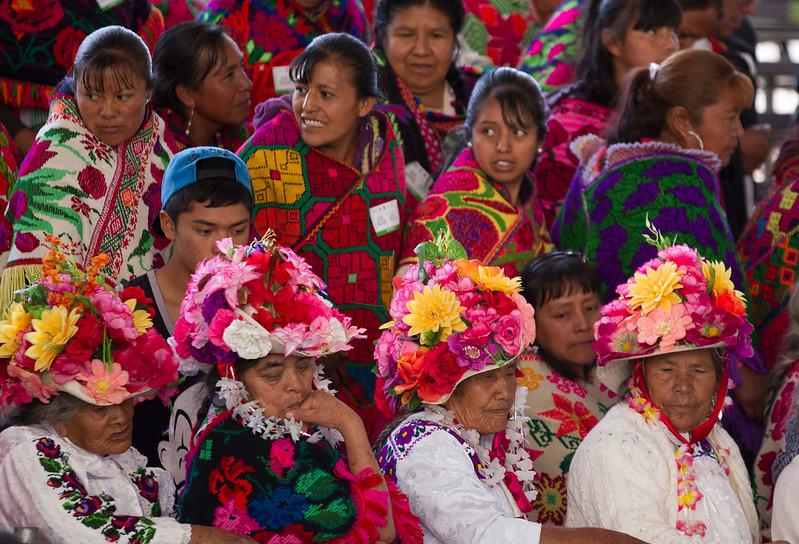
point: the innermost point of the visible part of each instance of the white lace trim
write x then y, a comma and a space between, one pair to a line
517, 459
251, 414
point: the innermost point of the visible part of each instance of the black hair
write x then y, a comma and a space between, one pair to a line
185, 54
110, 50
344, 49
519, 96
211, 192
385, 10
553, 275
595, 75
690, 5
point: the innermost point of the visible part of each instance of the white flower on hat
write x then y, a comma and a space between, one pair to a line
248, 340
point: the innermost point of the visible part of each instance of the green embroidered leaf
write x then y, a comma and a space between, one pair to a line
509, 7
475, 34
332, 515
51, 465
60, 135
143, 536
96, 520
45, 200
316, 484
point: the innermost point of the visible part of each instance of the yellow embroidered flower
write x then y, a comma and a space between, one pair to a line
17, 320
435, 310
50, 334
529, 379
655, 289
141, 318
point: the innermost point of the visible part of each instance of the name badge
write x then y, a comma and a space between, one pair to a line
283, 83
418, 180
385, 217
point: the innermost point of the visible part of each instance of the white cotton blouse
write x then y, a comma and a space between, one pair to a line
69, 494
453, 504
784, 517
624, 477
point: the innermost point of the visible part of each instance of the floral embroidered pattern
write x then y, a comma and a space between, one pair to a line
550, 503
573, 417
97, 511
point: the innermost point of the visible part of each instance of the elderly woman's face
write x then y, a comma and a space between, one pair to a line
483, 402
280, 383
112, 105
103, 430
682, 385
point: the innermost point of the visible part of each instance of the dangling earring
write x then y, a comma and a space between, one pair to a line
188, 126
698, 139
469, 144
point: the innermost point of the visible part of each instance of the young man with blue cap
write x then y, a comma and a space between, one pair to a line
206, 195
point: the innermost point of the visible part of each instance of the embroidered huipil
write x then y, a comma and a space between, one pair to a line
72, 495
102, 199
436, 467
562, 412
624, 477
481, 217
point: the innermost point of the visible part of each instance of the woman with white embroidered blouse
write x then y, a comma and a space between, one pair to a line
448, 358
659, 466
74, 356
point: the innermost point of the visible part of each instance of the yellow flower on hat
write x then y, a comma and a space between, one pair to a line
654, 289
51, 332
17, 320
142, 319
435, 310
490, 278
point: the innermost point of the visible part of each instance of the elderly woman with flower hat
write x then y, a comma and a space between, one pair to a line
449, 358
74, 357
660, 466
265, 460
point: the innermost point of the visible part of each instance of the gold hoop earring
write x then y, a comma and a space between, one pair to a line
698, 139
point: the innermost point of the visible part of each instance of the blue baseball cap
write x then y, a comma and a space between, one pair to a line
196, 164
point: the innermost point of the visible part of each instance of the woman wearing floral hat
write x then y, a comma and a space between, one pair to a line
660, 466
265, 461
74, 357
449, 359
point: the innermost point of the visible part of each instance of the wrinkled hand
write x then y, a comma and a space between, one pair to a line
755, 147
324, 409
212, 535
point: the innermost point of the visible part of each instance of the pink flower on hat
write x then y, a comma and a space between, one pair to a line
106, 383
665, 326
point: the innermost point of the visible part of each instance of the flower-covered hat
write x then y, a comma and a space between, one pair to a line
677, 301
71, 332
254, 300
452, 318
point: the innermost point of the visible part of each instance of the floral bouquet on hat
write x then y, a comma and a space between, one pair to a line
254, 300
674, 302
71, 332
452, 318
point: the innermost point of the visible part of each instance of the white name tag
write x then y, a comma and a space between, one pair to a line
385, 217
283, 83
418, 180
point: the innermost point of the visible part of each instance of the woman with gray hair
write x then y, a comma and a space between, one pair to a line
74, 357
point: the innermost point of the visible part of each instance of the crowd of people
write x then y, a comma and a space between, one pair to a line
290, 271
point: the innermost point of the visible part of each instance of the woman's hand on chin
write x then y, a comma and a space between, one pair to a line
324, 409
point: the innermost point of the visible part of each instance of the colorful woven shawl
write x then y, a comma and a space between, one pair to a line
497, 30
323, 210
230, 138
8, 178
552, 54
39, 39
278, 491
480, 217
561, 412
100, 198
421, 131
617, 188
270, 33
769, 248
570, 118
